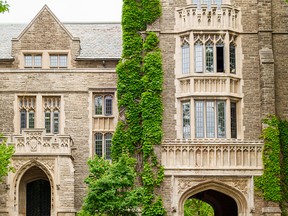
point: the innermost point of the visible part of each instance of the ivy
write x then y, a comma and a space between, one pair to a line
6, 153
274, 181
139, 128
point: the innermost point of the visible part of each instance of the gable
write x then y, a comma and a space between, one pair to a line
45, 32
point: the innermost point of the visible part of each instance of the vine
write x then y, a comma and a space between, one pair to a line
139, 87
274, 181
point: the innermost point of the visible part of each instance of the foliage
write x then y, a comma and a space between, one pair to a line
4, 6
193, 207
111, 187
274, 181
139, 86
6, 153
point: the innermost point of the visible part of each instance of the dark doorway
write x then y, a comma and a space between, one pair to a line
38, 198
222, 204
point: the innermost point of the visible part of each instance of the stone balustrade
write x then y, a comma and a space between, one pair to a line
37, 142
212, 155
191, 17
207, 85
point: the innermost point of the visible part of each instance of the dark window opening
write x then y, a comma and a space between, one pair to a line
233, 121
220, 58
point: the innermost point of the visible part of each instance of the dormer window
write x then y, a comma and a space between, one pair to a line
58, 61
32, 60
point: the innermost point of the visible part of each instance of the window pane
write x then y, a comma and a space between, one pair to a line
209, 58
56, 122
98, 105
53, 61
208, 2
210, 119
233, 120
23, 119
198, 57
28, 60
220, 58
48, 122
198, 3
63, 61
221, 119
31, 119
185, 58
37, 61
232, 59
218, 2
108, 144
108, 105
199, 119
98, 144
186, 120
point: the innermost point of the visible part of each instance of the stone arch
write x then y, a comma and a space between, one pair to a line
236, 195
39, 171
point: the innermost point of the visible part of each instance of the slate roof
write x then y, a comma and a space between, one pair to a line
97, 40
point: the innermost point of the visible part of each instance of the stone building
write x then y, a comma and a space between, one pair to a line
224, 70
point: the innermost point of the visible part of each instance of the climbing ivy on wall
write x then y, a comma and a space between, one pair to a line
274, 181
139, 87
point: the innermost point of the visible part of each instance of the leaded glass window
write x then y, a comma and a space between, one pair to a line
233, 114
185, 58
27, 110
103, 144
199, 119
98, 105
103, 104
221, 126
209, 58
98, 144
108, 144
210, 119
198, 57
232, 58
58, 61
52, 114
186, 120
33, 61
108, 105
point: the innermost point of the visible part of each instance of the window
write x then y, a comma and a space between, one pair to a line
32, 61
27, 112
52, 114
232, 56
58, 61
186, 120
103, 143
185, 58
208, 3
233, 120
209, 51
107, 101
210, 119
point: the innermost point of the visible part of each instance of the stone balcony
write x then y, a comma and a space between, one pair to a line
212, 157
192, 18
207, 85
37, 142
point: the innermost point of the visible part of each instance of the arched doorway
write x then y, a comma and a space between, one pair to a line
225, 200
38, 198
222, 204
34, 193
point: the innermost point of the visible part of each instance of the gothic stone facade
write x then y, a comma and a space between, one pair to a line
224, 70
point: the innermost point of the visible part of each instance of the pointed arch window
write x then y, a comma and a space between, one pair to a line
185, 58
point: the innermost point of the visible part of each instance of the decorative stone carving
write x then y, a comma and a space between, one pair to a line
36, 141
